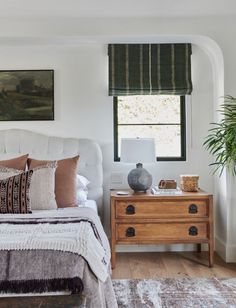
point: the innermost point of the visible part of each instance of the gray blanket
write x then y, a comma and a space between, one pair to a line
46, 265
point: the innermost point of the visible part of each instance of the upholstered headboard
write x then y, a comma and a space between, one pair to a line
15, 142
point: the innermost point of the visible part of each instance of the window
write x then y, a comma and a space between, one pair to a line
161, 117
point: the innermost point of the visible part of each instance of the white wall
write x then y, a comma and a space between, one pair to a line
82, 106
80, 88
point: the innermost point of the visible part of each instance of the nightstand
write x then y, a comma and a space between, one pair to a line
144, 218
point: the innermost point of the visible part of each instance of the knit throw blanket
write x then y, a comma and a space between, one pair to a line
74, 231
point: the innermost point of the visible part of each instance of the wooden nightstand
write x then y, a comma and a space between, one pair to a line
144, 218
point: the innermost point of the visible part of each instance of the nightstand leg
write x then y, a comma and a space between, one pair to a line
113, 255
211, 234
199, 247
211, 254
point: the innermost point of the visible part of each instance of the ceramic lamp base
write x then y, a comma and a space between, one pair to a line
139, 179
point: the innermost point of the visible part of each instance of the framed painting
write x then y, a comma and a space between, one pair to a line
26, 95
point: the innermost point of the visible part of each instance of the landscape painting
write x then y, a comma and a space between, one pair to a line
26, 95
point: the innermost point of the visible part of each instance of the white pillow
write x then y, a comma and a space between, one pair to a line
81, 196
81, 189
42, 188
82, 182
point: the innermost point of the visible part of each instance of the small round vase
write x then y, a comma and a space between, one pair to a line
139, 179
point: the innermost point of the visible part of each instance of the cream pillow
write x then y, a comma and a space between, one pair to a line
42, 195
8, 172
65, 183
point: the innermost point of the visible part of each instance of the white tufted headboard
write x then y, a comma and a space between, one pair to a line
14, 142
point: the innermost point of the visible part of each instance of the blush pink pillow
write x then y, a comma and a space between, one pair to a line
15, 163
65, 179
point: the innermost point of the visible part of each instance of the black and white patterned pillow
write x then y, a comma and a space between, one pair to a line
14, 194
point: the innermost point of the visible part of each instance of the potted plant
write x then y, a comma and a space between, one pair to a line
221, 140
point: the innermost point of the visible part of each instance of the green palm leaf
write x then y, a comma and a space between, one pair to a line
221, 140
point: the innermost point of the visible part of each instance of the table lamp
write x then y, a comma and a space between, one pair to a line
139, 151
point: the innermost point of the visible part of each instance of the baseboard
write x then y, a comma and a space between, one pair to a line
157, 248
220, 248
231, 254
226, 252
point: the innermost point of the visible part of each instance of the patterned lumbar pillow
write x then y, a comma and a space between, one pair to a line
14, 194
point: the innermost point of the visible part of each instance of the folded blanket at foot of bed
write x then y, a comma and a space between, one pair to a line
44, 254
21, 267
77, 231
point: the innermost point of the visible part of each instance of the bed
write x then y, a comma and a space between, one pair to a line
62, 251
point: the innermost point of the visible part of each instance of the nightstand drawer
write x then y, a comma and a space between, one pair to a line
161, 209
163, 231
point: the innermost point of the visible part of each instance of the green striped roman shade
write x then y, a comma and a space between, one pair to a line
142, 69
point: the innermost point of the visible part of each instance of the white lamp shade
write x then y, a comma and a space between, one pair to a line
137, 150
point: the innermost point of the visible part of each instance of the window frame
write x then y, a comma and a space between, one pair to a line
160, 158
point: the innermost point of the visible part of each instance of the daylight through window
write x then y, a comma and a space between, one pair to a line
161, 117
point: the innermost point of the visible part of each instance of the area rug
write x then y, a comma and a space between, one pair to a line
176, 292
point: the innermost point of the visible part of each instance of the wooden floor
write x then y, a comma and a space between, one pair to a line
170, 264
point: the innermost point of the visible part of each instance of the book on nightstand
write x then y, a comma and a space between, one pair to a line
159, 191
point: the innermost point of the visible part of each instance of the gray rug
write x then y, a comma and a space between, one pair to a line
176, 292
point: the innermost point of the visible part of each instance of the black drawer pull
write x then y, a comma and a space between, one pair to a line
192, 209
130, 210
130, 232
193, 231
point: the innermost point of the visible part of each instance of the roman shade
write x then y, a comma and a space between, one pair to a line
142, 69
